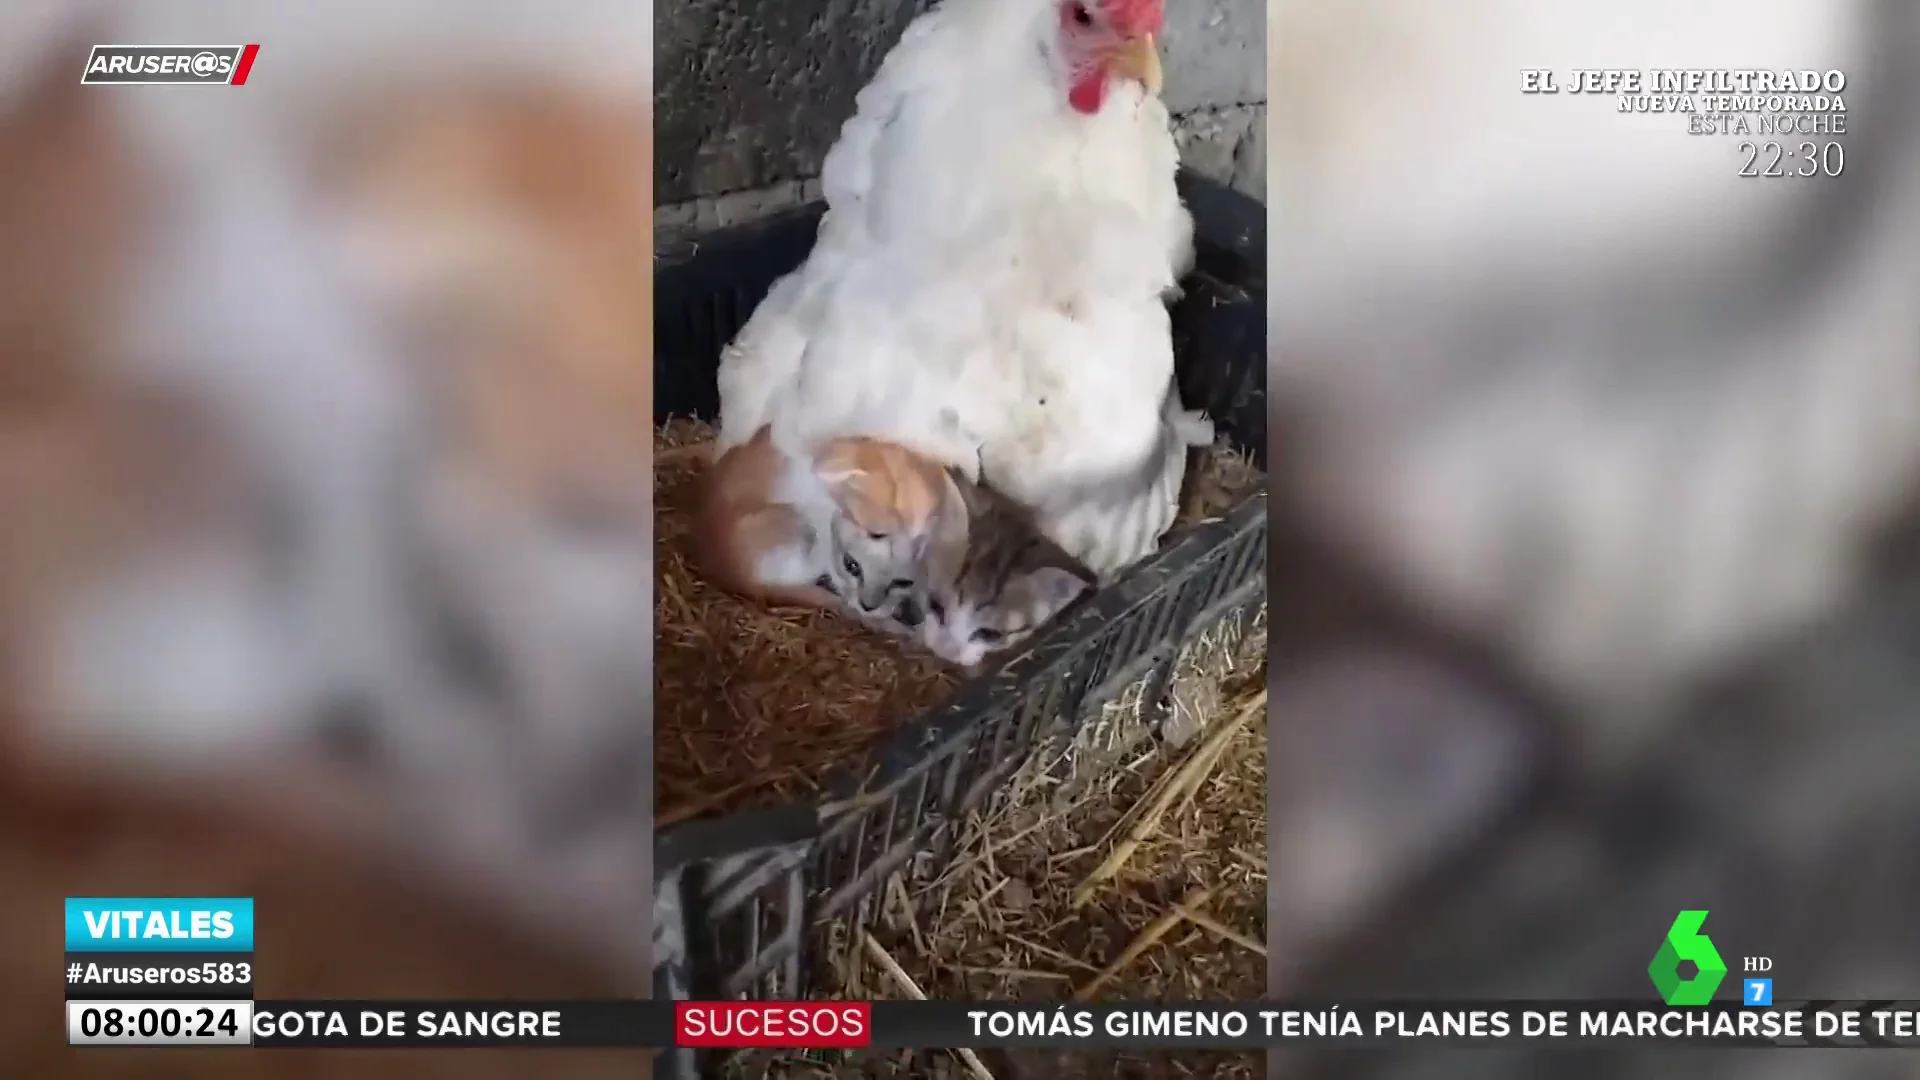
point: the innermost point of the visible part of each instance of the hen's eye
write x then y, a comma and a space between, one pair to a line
1080, 15
900, 583
876, 536
824, 581
987, 636
852, 568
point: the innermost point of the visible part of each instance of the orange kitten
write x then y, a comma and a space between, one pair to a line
755, 542
847, 533
887, 496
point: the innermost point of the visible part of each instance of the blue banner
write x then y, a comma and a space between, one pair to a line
159, 924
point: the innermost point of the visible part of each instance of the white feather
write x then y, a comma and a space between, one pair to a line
986, 286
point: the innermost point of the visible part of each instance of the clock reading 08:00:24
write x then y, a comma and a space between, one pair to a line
1772, 159
159, 1023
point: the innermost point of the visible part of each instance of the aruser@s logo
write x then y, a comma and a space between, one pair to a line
1686, 942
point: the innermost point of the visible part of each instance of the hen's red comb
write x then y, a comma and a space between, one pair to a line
1134, 16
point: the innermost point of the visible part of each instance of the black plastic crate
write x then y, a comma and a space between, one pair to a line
741, 893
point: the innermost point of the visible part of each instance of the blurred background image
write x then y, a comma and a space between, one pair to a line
1591, 601
325, 520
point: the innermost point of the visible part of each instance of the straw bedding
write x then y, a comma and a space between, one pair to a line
1139, 880
1142, 880
1120, 867
757, 705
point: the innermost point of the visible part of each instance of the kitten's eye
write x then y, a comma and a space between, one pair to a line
852, 568
1080, 15
986, 635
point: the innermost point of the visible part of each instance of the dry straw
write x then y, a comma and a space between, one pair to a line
755, 704
1036, 900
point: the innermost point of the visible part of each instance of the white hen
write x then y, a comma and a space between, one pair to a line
988, 284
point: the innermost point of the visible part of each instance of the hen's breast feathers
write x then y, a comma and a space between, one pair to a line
1085, 411
986, 284
1045, 351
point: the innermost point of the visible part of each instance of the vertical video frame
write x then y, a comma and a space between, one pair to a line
960, 406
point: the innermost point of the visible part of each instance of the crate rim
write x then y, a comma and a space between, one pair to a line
1229, 219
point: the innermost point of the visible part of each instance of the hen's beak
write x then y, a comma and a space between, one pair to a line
1139, 60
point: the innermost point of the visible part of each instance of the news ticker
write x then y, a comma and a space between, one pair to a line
942, 1024
178, 971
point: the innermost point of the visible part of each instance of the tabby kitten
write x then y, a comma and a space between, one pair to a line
992, 578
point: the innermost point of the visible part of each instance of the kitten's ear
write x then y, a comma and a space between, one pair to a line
918, 493
838, 464
966, 493
949, 529
1054, 587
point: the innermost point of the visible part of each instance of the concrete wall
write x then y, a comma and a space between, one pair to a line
749, 94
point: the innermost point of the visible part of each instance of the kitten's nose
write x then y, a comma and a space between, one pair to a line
909, 613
